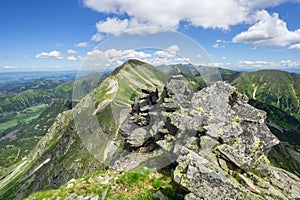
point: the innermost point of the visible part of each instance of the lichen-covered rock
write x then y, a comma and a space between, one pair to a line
219, 143
234, 141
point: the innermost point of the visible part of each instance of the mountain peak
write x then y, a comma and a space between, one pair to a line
129, 63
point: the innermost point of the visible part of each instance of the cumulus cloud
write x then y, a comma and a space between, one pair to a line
219, 43
260, 4
71, 51
169, 13
112, 26
51, 54
115, 26
73, 58
295, 46
82, 44
256, 64
113, 57
168, 61
136, 15
259, 64
269, 30
97, 37
169, 52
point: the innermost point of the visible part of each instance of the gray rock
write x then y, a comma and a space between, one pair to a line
159, 196
138, 137
218, 140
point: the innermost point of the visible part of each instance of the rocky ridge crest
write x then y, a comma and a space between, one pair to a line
218, 142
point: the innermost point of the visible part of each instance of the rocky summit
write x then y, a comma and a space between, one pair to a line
217, 142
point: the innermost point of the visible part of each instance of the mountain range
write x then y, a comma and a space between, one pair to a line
164, 118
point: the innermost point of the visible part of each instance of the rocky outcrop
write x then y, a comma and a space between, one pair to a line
219, 142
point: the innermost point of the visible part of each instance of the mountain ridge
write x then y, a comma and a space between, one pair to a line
131, 98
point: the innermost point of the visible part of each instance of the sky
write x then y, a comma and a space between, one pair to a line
43, 35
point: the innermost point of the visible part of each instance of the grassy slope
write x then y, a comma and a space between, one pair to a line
12, 121
273, 87
286, 155
28, 134
111, 101
284, 126
24, 100
193, 74
139, 184
62, 144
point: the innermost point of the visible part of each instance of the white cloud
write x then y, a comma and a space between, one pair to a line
82, 44
219, 43
174, 48
51, 54
114, 57
112, 26
169, 13
258, 64
157, 61
269, 30
294, 46
266, 29
8, 67
71, 51
115, 26
260, 4
214, 64
97, 37
169, 52
216, 45
73, 58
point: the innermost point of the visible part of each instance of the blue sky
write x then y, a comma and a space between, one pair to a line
65, 34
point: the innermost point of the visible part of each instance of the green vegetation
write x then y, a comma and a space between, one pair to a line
30, 128
286, 157
138, 185
9, 121
22, 101
277, 88
121, 88
284, 126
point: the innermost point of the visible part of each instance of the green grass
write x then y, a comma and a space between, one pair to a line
11, 120
276, 88
139, 184
31, 126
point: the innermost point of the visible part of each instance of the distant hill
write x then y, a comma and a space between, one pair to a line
277, 88
24, 136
